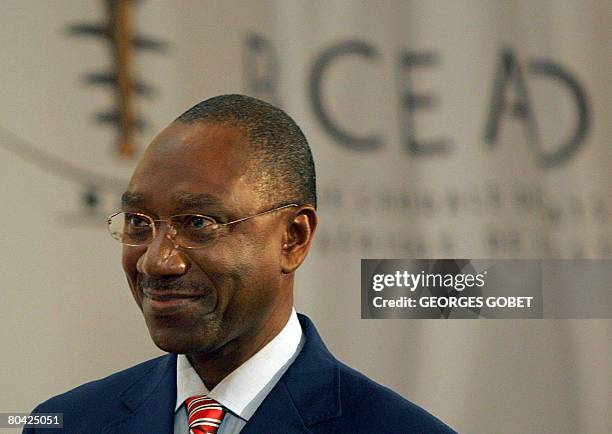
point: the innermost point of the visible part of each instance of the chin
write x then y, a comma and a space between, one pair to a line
181, 342
168, 345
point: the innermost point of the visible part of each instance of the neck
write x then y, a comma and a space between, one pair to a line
214, 367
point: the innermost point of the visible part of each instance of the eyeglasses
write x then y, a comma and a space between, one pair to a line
190, 231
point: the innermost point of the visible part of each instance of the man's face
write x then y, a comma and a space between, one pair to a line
195, 301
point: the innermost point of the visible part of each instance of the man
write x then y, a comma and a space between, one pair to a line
219, 213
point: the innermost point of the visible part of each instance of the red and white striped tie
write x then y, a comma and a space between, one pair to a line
205, 415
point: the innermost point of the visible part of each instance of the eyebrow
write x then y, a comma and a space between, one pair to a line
182, 200
199, 201
132, 199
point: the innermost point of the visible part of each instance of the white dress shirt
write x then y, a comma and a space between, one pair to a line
245, 388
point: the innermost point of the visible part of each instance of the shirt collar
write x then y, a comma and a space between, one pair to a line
244, 389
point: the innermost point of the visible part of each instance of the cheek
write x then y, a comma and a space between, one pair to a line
255, 267
236, 268
129, 260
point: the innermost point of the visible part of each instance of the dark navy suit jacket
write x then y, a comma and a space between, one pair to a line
317, 395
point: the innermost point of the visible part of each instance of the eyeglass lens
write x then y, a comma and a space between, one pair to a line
138, 229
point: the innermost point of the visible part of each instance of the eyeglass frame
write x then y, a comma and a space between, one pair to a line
168, 223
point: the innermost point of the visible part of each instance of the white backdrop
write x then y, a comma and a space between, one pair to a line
394, 182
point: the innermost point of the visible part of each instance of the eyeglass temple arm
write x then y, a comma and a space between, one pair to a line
257, 215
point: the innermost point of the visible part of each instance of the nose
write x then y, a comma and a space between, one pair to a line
162, 257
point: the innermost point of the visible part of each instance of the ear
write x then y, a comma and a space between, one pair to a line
297, 238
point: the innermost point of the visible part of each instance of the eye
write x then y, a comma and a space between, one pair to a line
136, 221
197, 222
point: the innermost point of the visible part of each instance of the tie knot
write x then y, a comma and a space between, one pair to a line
204, 414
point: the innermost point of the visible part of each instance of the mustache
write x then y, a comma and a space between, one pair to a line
172, 284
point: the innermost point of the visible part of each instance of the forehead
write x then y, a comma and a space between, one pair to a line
201, 143
200, 163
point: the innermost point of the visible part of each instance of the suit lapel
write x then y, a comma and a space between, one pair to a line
306, 394
277, 413
150, 401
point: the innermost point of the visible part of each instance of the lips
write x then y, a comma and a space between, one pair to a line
165, 302
167, 295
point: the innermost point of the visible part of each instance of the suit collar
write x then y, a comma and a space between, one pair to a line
308, 393
159, 377
150, 400
313, 380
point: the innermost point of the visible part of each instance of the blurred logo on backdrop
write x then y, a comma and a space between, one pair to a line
116, 31
510, 97
389, 211
515, 102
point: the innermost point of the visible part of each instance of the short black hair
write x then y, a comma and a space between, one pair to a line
284, 169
